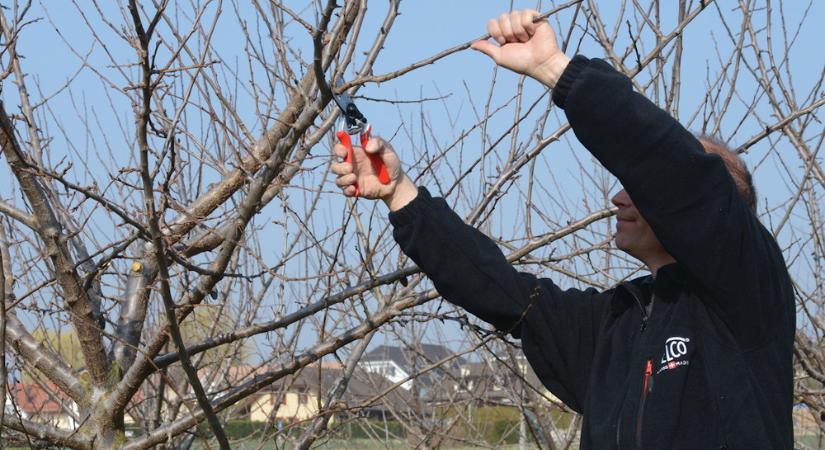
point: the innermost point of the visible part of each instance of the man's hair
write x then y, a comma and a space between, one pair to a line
736, 167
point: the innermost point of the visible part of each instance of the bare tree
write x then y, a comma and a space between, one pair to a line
170, 205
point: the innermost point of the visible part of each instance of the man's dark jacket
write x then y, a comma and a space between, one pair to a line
711, 366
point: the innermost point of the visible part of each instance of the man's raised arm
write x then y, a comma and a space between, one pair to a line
558, 328
686, 195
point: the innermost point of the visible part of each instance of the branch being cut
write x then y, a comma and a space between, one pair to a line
443, 54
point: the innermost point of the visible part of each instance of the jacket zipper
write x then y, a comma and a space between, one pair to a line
647, 386
641, 331
645, 316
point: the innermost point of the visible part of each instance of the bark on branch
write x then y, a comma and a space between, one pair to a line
49, 229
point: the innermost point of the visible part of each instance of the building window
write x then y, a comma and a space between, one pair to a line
303, 399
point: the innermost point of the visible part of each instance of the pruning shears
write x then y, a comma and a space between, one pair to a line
352, 123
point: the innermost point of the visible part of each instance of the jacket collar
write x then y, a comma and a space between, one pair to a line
670, 281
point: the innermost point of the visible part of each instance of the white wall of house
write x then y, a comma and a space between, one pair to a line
291, 406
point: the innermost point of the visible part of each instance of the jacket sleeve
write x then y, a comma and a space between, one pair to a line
686, 195
558, 327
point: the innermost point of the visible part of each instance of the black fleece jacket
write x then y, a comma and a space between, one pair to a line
711, 365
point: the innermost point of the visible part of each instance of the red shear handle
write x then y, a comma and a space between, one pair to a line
377, 163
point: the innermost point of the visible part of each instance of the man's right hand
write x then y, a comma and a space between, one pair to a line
526, 47
396, 194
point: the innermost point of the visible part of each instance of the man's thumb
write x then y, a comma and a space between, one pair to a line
487, 48
374, 145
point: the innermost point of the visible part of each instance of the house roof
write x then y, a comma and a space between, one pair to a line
421, 355
363, 387
490, 382
239, 373
34, 398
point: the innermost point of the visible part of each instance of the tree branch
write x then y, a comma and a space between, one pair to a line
18, 215
299, 361
47, 433
49, 229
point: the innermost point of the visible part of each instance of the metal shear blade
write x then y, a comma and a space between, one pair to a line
354, 121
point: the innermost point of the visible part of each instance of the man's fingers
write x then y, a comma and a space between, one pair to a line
506, 28
527, 17
487, 48
341, 168
372, 188
495, 31
517, 24
345, 180
339, 150
349, 191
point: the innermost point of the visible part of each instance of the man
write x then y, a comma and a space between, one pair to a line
698, 355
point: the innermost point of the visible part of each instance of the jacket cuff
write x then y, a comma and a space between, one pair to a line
406, 214
568, 77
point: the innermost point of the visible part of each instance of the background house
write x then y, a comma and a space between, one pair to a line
299, 396
497, 382
43, 403
397, 363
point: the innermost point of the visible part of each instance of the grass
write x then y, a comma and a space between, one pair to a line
341, 444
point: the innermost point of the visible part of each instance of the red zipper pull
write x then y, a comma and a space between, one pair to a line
648, 385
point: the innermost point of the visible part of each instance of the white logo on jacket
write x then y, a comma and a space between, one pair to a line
675, 348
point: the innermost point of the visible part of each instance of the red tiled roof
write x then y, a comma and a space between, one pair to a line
32, 398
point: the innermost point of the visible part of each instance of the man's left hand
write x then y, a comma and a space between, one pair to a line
526, 47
